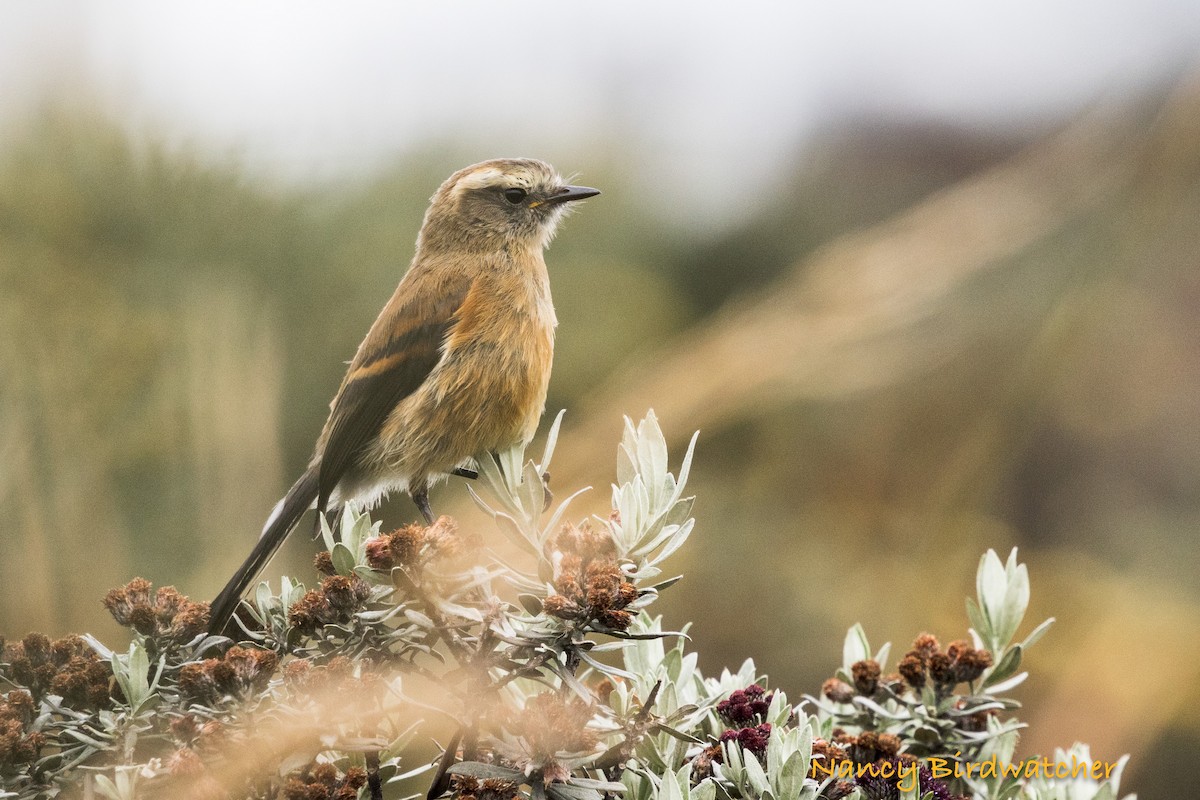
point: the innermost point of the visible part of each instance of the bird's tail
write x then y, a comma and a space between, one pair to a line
285, 516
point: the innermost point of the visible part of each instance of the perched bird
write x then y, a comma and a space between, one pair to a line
455, 366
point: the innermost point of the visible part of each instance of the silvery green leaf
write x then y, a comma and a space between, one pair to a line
679, 511
979, 621
968, 709
755, 772
671, 787
510, 528
855, 648
326, 532
77, 733
605, 669
569, 791
103, 652
418, 618
552, 525
686, 467
131, 672
511, 461
108, 789
1004, 686
625, 465
790, 779
531, 603
705, 790
343, 559
262, 596
881, 656
645, 573
475, 769
667, 584
1037, 633
651, 451
480, 503
1006, 666
603, 786
461, 611
551, 440
675, 733
879, 710
1016, 597
533, 492
412, 773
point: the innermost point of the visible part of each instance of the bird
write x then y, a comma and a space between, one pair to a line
456, 365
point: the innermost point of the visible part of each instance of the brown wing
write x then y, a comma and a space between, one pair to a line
400, 351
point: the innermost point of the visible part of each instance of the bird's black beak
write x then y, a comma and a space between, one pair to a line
568, 193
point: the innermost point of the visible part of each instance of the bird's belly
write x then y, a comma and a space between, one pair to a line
488, 395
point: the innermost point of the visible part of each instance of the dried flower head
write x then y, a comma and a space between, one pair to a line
335, 602
323, 563
827, 759
753, 738
553, 723
415, 545
464, 787
19, 747
321, 781
745, 706
590, 585
240, 672
66, 667
165, 616
837, 690
958, 664
912, 668
866, 676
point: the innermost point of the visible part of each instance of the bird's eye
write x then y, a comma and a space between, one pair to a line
515, 196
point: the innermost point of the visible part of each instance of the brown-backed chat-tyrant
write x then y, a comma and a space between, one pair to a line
455, 366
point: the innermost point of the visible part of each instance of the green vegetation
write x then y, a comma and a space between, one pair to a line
556, 681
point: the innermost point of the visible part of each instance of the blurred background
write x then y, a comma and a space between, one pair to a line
924, 275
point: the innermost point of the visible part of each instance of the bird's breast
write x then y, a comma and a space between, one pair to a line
489, 389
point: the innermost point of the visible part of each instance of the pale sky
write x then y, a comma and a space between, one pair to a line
692, 93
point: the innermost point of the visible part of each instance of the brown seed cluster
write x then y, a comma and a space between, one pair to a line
826, 758
336, 602
343, 688
239, 672
837, 690
415, 545
464, 787
866, 676
325, 782
589, 582
18, 746
66, 667
551, 723
926, 662
868, 746
165, 615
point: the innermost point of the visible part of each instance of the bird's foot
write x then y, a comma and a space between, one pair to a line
421, 498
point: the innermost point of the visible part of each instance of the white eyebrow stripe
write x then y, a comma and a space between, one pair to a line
480, 179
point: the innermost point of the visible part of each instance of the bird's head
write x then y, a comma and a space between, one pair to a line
499, 203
